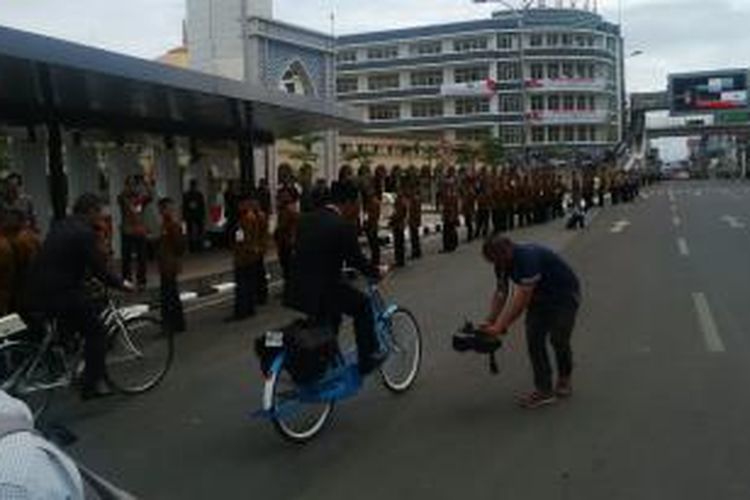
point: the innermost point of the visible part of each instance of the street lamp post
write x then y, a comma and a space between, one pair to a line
521, 26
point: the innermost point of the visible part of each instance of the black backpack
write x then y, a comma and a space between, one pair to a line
311, 350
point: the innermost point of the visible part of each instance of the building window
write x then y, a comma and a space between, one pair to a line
536, 40
380, 53
583, 134
472, 106
591, 71
346, 56
537, 103
472, 134
553, 134
581, 70
537, 135
510, 103
569, 103
432, 78
570, 134
581, 103
567, 40
537, 71
426, 48
383, 112
387, 81
347, 84
592, 103
567, 70
580, 40
553, 103
471, 74
590, 41
553, 39
505, 42
508, 71
426, 109
553, 71
470, 44
511, 135
611, 44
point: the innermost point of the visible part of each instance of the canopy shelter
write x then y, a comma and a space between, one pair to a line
57, 84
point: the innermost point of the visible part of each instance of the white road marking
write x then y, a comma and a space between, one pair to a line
619, 226
683, 247
671, 197
676, 221
733, 222
708, 325
224, 287
188, 296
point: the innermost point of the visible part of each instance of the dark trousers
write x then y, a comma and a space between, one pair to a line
399, 246
134, 246
285, 261
415, 241
195, 230
450, 237
555, 324
469, 221
261, 282
245, 278
171, 305
483, 222
373, 241
352, 302
80, 316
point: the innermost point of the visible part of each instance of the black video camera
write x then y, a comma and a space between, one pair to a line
471, 339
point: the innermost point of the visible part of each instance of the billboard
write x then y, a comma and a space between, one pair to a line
709, 92
468, 89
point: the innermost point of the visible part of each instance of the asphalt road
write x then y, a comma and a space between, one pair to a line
660, 408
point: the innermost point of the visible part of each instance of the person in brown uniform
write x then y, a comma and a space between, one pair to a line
133, 202
372, 222
484, 202
170, 251
398, 226
415, 220
25, 244
469, 204
246, 257
287, 206
260, 244
450, 211
7, 268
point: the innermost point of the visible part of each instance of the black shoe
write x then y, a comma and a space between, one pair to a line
372, 363
96, 391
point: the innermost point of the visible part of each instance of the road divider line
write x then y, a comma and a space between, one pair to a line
708, 324
676, 221
619, 226
683, 247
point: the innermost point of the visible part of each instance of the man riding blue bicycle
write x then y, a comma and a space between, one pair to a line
326, 240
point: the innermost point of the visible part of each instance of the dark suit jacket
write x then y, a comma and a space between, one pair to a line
325, 241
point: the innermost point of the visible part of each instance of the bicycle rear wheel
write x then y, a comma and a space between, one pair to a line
25, 377
139, 355
400, 369
296, 418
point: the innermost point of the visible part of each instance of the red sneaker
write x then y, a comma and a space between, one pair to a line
564, 388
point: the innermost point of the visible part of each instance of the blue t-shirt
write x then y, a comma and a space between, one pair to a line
555, 282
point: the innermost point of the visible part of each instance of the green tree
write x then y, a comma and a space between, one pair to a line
362, 157
492, 152
305, 153
4, 155
467, 154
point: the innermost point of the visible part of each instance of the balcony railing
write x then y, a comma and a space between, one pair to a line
565, 117
590, 84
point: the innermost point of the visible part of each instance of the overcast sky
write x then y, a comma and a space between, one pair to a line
675, 35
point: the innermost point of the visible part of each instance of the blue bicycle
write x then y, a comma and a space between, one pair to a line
300, 411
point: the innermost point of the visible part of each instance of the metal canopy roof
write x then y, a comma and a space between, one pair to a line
44, 79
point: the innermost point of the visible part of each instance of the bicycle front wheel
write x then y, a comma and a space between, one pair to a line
139, 355
296, 417
404, 343
26, 376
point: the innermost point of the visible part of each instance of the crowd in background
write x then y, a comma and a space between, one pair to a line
256, 224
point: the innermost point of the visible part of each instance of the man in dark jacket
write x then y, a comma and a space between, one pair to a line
325, 241
194, 215
57, 286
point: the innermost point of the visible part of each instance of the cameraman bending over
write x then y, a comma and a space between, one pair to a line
547, 289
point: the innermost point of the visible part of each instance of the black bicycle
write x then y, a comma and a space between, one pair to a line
139, 354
